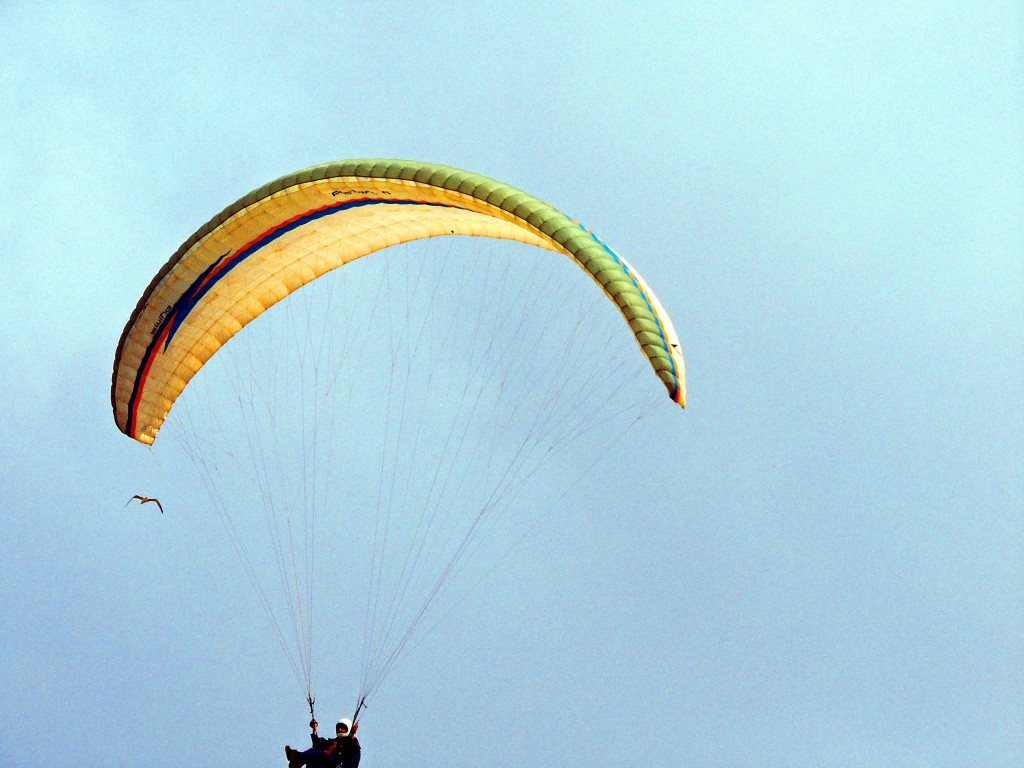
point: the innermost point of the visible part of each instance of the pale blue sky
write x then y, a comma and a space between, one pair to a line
825, 566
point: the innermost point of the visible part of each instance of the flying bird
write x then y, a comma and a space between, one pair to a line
146, 500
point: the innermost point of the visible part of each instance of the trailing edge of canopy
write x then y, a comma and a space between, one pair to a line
144, 386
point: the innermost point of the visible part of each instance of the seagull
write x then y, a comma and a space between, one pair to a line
145, 500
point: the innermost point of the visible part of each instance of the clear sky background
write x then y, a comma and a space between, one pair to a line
824, 566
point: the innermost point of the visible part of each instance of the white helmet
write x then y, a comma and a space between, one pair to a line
347, 723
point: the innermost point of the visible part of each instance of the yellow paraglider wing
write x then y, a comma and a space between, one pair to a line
289, 232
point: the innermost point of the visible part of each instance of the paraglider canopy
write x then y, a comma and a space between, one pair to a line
289, 232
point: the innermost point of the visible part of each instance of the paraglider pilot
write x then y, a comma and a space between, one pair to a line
342, 751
